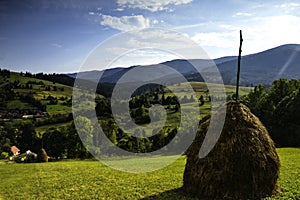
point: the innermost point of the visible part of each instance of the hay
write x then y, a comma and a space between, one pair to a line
242, 165
42, 156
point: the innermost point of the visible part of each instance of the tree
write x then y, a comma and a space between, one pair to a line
27, 139
287, 114
163, 99
201, 99
176, 108
155, 96
75, 147
278, 109
192, 98
54, 141
184, 99
255, 99
85, 131
279, 89
141, 115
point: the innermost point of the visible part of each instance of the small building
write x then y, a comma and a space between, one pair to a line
15, 150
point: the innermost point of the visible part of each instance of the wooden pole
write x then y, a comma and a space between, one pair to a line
239, 68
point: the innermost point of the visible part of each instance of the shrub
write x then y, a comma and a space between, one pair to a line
4, 155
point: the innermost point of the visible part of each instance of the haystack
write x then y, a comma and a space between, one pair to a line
242, 165
42, 156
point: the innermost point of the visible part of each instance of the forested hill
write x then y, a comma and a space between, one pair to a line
104, 89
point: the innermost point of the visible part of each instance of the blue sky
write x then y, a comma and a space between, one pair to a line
57, 36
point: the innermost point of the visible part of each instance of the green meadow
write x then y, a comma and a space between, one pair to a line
90, 179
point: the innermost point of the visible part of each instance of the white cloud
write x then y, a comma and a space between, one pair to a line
289, 6
144, 46
143, 57
259, 33
268, 32
156, 38
91, 13
125, 23
56, 45
189, 26
119, 9
152, 5
243, 14
155, 21
215, 39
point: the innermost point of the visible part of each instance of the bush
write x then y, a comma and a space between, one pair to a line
30, 158
4, 155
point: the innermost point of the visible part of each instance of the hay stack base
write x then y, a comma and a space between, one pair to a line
242, 165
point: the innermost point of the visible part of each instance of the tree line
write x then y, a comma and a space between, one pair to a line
278, 107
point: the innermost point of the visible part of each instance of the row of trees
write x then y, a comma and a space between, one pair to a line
278, 107
58, 142
65, 142
4, 73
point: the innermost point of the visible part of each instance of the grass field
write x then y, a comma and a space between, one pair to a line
93, 180
42, 129
39, 90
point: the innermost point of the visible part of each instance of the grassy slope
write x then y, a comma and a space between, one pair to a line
37, 88
201, 87
40, 93
93, 180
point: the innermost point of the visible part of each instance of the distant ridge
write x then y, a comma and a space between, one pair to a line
259, 68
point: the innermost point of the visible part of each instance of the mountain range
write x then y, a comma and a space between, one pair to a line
259, 68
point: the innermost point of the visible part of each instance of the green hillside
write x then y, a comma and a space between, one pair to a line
41, 90
56, 97
35, 104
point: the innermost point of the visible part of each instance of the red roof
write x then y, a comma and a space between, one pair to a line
14, 149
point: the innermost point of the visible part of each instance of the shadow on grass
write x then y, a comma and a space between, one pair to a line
178, 194
171, 195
